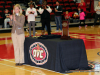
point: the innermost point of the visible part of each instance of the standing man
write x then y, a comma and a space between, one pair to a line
31, 14
58, 12
45, 17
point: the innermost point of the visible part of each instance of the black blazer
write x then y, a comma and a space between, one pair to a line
59, 11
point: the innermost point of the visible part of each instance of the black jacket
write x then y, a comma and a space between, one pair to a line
59, 11
45, 15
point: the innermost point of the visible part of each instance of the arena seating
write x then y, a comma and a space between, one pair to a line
68, 5
71, 6
6, 4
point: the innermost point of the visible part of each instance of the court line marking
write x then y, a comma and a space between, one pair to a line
36, 67
22, 69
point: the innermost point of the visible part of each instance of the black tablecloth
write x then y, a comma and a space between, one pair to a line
64, 55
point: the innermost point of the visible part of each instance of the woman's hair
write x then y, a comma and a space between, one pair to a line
17, 5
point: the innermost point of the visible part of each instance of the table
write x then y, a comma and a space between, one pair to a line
61, 55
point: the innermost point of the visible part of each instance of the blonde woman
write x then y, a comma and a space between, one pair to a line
17, 21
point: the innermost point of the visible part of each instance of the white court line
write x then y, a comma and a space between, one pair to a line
21, 69
36, 67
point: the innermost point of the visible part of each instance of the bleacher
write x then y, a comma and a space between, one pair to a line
67, 5
71, 6
4, 4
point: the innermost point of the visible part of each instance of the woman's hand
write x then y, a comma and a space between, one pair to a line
10, 16
14, 18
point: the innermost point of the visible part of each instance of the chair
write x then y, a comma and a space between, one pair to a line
53, 11
89, 15
88, 6
71, 14
54, 5
23, 12
77, 4
52, 15
74, 9
88, 9
51, 6
60, 0
93, 15
67, 5
8, 7
9, 3
69, 9
63, 17
1, 8
71, 1
1, 20
72, 5
1, 12
62, 5
49, 2
2, 3
66, 1
64, 10
54, 1
38, 5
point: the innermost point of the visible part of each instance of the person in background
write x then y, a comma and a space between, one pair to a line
82, 18
46, 28
82, 5
32, 2
76, 16
58, 12
31, 13
17, 21
79, 10
41, 1
45, 17
6, 18
67, 15
97, 9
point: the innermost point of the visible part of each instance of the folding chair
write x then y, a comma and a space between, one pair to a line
74, 9
2, 8
49, 2
69, 9
8, 7
2, 3
52, 15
